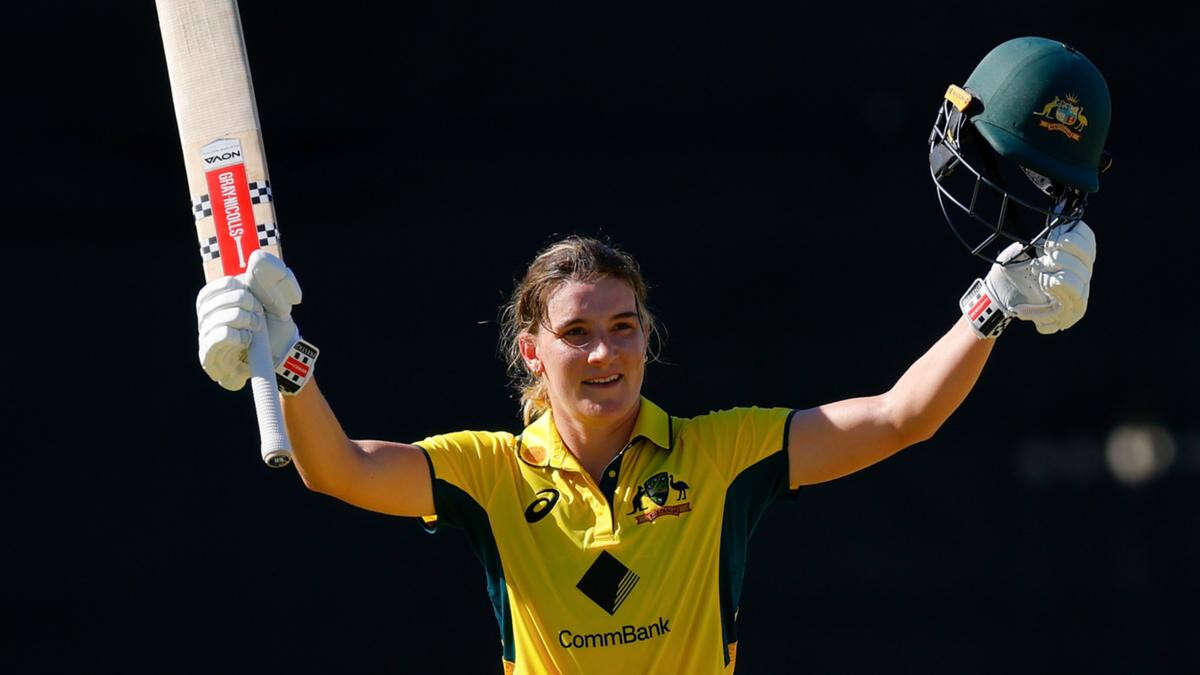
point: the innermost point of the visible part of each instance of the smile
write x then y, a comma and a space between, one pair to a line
604, 380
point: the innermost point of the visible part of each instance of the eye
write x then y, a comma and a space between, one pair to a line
623, 326
575, 336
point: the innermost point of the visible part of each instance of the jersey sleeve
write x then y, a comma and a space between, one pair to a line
464, 468
744, 438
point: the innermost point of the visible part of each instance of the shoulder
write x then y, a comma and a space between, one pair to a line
730, 420
481, 444
736, 438
470, 461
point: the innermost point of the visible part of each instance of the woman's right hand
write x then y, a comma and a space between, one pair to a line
230, 309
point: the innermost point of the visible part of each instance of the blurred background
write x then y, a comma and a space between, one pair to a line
767, 167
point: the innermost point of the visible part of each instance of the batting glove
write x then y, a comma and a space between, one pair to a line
1050, 290
230, 309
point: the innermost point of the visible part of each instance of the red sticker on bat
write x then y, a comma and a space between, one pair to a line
229, 193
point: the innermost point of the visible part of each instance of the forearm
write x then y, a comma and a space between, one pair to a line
381, 476
935, 385
324, 455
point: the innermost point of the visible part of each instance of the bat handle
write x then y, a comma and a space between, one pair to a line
276, 449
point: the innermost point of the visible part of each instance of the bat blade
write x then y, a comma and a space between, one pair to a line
226, 167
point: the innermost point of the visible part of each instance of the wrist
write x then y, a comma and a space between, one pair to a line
983, 311
296, 368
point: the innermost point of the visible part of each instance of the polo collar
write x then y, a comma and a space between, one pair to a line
540, 444
653, 424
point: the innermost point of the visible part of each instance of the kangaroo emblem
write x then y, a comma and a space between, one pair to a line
637, 501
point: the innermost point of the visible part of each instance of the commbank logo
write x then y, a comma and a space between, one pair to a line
623, 635
540, 507
608, 582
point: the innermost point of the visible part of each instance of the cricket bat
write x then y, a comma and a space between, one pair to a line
226, 168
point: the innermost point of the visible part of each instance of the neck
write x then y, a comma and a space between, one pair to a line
595, 445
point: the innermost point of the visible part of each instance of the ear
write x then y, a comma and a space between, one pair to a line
528, 346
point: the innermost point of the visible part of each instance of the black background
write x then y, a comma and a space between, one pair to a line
767, 167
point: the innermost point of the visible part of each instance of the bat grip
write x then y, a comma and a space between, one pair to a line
276, 449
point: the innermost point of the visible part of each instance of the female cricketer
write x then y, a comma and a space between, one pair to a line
612, 533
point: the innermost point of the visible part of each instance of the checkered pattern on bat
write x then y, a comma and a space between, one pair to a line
210, 250
268, 234
260, 192
202, 207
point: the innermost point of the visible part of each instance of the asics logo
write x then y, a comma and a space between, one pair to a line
540, 507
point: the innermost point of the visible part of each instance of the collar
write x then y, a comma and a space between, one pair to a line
540, 444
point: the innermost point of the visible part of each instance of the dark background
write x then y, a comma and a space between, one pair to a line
766, 166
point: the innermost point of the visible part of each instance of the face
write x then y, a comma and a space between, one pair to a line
592, 353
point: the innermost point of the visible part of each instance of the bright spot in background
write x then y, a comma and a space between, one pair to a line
1137, 453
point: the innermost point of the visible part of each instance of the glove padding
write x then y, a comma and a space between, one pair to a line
1052, 289
230, 309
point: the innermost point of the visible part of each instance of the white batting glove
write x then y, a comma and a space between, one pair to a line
1050, 290
227, 314
230, 309
276, 287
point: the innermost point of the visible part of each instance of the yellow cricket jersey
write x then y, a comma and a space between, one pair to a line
641, 573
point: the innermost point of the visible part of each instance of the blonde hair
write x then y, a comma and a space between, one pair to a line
575, 258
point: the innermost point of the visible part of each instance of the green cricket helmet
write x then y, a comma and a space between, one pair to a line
1017, 149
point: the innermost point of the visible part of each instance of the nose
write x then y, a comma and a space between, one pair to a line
601, 350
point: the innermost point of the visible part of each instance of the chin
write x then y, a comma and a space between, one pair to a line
610, 407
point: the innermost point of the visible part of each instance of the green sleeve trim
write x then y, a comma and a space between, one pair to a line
455, 508
757, 487
430, 523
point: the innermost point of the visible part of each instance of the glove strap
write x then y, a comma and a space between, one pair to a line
296, 368
982, 311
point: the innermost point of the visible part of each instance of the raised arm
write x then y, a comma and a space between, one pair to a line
377, 475
836, 439
833, 440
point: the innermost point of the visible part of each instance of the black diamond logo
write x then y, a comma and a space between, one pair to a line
607, 582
